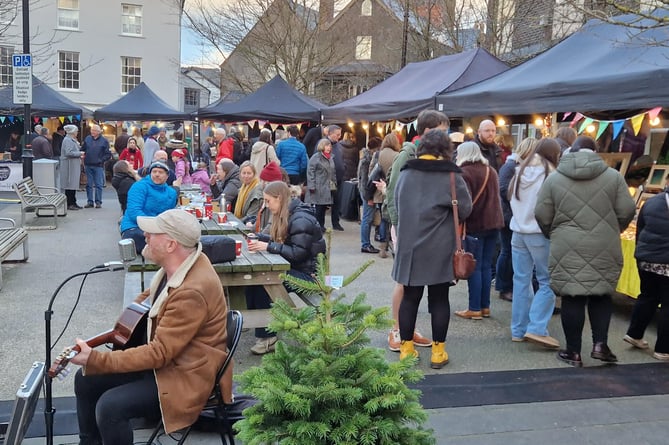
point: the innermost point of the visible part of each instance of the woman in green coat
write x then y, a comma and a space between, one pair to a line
582, 208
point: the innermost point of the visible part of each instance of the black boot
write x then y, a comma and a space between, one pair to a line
601, 351
571, 358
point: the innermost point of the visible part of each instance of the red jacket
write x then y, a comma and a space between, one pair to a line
225, 150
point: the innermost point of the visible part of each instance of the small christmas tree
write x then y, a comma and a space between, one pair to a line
324, 384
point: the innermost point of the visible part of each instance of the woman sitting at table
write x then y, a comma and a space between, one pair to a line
226, 181
150, 196
297, 237
250, 198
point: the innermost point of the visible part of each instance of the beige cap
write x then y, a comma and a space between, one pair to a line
178, 224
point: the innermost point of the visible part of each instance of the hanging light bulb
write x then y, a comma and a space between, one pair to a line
590, 128
655, 121
501, 122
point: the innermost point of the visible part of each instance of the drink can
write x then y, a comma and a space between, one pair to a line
208, 210
198, 212
228, 207
208, 199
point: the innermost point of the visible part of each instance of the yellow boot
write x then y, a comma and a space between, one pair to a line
407, 349
439, 355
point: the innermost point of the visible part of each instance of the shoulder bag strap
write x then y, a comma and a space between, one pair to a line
485, 182
456, 222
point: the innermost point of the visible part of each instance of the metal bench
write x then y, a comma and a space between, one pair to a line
43, 204
11, 238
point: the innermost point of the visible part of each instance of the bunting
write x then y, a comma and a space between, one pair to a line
616, 125
602, 127
584, 125
636, 123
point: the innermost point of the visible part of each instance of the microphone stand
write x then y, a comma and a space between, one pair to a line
49, 410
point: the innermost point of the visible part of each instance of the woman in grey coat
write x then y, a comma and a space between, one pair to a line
70, 166
426, 239
321, 180
582, 208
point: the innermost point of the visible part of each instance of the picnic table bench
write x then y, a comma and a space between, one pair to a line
11, 238
43, 204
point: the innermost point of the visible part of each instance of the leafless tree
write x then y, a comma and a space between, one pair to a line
262, 38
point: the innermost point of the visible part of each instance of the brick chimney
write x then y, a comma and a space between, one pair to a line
325, 12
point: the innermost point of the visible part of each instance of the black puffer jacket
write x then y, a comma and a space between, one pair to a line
652, 231
122, 183
304, 241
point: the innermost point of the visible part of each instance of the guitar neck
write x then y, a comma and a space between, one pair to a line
100, 339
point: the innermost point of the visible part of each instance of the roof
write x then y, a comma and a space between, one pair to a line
141, 103
47, 102
275, 101
414, 87
601, 67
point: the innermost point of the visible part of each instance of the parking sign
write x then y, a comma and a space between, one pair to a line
22, 70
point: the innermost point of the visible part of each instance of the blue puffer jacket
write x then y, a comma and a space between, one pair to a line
147, 198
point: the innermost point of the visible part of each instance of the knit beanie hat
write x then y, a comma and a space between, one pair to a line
271, 172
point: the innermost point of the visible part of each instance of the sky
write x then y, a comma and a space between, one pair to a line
192, 53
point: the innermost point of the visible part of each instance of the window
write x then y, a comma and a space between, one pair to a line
68, 70
68, 14
6, 65
131, 19
191, 97
363, 47
366, 8
131, 73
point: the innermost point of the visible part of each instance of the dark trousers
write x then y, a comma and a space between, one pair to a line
320, 214
107, 402
504, 268
334, 209
600, 308
258, 298
438, 306
137, 235
295, 179
654, 291
71, 196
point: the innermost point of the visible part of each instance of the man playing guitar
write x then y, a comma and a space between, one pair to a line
173, 373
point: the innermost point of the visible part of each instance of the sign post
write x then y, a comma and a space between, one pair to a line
22, 71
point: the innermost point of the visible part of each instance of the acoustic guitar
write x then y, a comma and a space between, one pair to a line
128, 331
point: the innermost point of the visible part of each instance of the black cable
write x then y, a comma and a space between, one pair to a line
74, 307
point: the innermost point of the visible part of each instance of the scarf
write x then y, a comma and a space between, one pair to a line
243, 194
327, 155
430, 158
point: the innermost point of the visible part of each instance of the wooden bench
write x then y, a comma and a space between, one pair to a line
11, 238
43, 204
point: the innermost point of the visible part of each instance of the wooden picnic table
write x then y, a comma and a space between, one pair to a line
249, 269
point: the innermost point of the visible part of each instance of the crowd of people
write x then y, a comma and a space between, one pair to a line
540, 219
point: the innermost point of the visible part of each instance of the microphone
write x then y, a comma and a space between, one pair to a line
126, 248
127, 252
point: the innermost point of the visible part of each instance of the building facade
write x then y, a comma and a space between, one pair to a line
95, 51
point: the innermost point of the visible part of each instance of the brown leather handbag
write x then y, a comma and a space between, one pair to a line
463, 261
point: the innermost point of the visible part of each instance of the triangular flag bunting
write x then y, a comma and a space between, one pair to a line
273, 126
652, 114
586, 122
566, 115
61, 119
2, 119
252, 123
35, 119
617, 126
636, 123
577, 117
602, 127
11, 119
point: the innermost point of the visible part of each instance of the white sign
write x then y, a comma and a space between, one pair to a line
22, 72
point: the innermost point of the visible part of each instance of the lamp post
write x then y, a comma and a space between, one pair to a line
405, 34
27, 155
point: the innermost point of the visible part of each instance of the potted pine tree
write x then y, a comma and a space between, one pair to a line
325, 384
